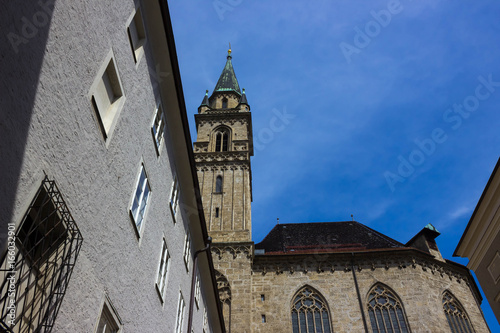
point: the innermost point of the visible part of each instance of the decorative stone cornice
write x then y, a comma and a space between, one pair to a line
329, 264
224, 157
234, 250
223, 117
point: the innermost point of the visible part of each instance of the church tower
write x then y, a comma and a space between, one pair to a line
222, 153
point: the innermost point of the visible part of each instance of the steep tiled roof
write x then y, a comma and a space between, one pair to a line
324, 237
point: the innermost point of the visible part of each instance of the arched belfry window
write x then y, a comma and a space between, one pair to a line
386, 311
218, 184
310, 312
225, 298
224, 103
455, 314
222, 140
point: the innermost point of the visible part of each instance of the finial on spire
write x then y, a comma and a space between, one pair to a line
206, 92
229, 52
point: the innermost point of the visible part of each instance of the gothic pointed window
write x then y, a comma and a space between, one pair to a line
218, 184
221, 140
218, 141
224, 103
225, 298
224, 141
455, 314
310, 312
386, 311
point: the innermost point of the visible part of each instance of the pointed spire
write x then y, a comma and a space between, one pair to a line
227, 80
243, 99
205, 100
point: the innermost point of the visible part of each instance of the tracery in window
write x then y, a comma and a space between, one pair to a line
386, 311
310, 312
455, 314
222, 139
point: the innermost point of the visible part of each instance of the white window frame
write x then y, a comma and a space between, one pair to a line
197, 291
158, 127
163, 269
205, 319
174, 196
136, 28
107, 96
110, 314
187, 250
139, 224
180, 314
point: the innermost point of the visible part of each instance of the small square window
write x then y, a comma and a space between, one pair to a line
137, 35
187, 250
158, 127
174, 196
109, 322
107, 97
161, 280
141, 199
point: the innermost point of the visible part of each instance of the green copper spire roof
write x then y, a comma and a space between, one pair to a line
432, 228
205, 99
227, 80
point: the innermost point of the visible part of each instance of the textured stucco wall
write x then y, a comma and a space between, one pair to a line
97, 178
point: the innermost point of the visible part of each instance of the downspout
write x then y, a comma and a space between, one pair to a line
193, 282
357, 292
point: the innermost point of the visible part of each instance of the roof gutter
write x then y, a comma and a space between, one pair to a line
167, 24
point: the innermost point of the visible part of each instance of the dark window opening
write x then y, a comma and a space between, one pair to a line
217, 212
224, 103
47, 244
218, 184
224, 142
218, 141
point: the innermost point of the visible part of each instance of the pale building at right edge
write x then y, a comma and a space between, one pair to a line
481, 241
315, 277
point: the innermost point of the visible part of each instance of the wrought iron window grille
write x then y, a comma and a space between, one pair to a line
36, 269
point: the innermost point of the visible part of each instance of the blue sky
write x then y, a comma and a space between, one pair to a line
387, 110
